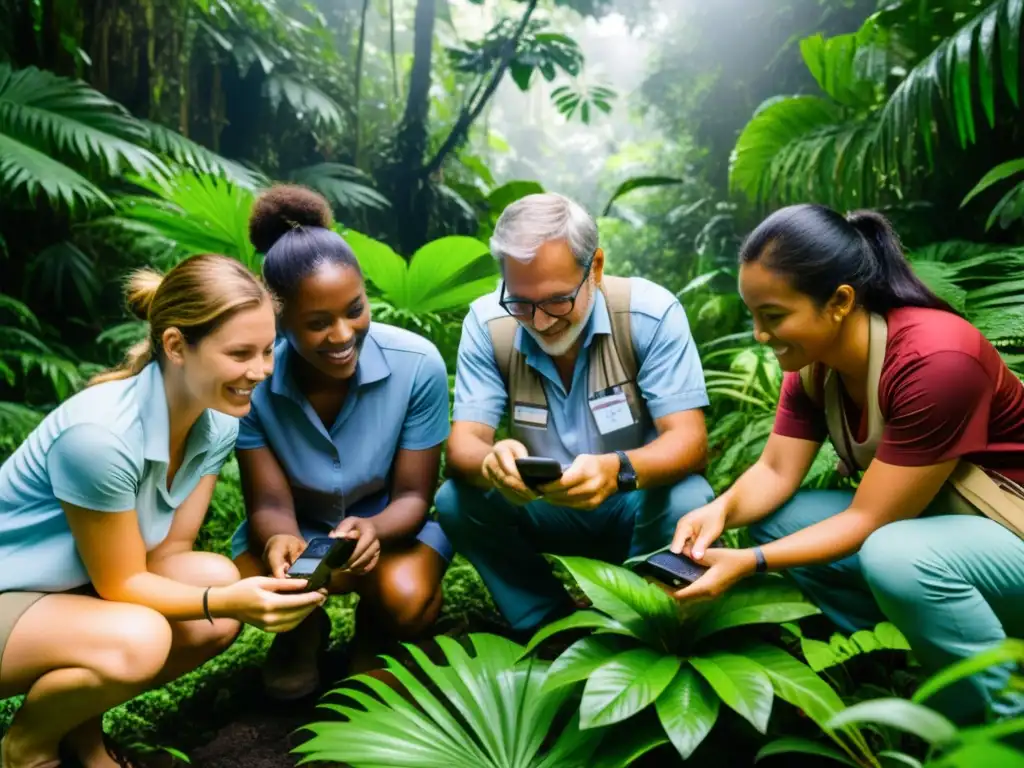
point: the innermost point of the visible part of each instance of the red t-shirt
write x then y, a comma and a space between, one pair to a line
938, 395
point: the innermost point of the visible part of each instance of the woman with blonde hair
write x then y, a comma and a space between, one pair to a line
101, 595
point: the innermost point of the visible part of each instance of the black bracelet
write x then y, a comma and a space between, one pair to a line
206, 604
762, 566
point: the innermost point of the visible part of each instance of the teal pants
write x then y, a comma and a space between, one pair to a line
505, 542
953, 585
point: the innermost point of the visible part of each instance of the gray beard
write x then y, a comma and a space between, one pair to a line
571, 336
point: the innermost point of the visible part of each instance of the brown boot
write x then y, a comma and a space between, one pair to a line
291, 670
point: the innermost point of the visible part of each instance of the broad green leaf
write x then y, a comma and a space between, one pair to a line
687, 709
792, 745
1009, 652
580, 659
508, 193
976, 755
646, 610
898, 713
578, 620
381, 266
768, 601
441, 265
739, 682
795, 682
997, 174
625, 685
638, 182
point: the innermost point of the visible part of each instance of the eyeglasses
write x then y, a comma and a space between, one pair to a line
556, 306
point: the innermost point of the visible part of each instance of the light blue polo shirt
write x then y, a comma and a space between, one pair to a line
106, 449
399, 400
670, 377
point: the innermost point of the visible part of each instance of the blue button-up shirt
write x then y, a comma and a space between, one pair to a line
106, 449
670, 376
398, 399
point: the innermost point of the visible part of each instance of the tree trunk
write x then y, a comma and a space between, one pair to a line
406, 187
360, 50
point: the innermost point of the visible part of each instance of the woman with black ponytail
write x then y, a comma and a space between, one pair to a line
916, 399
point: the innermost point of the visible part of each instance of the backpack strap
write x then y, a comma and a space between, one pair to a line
617, 294
503, 339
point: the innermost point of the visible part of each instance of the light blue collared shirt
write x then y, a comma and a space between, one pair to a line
106, 449
670, 376
399, 400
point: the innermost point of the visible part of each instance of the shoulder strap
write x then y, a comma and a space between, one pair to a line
503, 339
617, 294
810, 377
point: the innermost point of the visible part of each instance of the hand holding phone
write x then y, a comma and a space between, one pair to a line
321, 556
537, 471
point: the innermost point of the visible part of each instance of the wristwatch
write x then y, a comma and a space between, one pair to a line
627, 475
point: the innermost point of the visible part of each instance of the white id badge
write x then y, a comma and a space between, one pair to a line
611, 412
530, 415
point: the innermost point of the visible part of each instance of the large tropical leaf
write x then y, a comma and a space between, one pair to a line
305, 99
504, 715
771, 600
626, 684
581, 658
190, 213
638, 182
65, 121
444, 274
1010, 207
959, 72
687, 709
1010, 651
740, 683
899, 713
645, 609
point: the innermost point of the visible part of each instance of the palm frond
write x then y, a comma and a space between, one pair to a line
62, 270
67, 119
26, 172
801, 147
198, 158
305, 99
345, 186
959, 72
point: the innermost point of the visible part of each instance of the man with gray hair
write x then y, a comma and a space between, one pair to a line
598, 373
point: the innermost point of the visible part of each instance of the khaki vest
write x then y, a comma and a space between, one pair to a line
971, 489
612, 369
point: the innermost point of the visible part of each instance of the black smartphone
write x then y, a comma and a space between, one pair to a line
322, 555
671, 569
537, 471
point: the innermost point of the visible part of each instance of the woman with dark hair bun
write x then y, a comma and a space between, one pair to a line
915, 398
343, 440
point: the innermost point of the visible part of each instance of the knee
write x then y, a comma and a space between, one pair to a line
891, 560
138, 647
801, 511
212, 570
206, 640
409, 608
451, 502
690, 494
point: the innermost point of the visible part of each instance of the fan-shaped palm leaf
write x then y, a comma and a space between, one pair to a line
306, 99
46, 120
190, 213
480, 711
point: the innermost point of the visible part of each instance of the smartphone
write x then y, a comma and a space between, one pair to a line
671, 569
537, 471
322, 555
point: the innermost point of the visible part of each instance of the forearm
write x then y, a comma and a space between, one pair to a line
824, 542
466, 457
268, 521
172, 599
401, 519
669, 458
757, 493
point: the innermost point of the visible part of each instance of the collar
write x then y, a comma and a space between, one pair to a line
153, 413
372, 366
598, 323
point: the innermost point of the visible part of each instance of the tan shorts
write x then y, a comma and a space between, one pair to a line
12, 607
